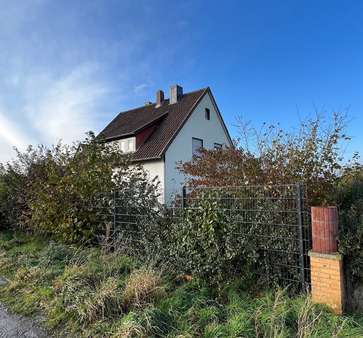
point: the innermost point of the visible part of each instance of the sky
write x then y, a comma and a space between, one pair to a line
67, 67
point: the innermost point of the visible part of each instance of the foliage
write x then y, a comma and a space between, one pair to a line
274, 159
81, 294
223, 231
208, 242
12, 189
350, 202
219, 234
65, 191
312, 155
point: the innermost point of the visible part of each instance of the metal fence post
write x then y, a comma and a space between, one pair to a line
299, 206
184, 197
114, 210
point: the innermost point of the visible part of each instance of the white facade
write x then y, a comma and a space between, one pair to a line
211, 131
197, 126
156, 169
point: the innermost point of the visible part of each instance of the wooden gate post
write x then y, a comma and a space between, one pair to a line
327, 285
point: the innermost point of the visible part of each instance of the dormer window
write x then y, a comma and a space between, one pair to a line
131, 144
127, 145
207, 114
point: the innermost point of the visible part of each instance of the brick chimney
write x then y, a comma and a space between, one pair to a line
176, 93
159, 98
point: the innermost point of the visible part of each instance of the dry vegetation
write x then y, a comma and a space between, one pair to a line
85, 293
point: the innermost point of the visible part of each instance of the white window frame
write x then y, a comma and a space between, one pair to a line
127, 145
195, 151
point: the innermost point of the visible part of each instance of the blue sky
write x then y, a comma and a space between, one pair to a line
69, 66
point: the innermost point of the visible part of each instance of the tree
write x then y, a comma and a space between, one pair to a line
66, 191
312, 155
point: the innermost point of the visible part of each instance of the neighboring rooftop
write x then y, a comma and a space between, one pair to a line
164, 117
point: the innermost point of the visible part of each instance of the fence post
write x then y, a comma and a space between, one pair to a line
114, 210
184, 197
327, 282
299, 205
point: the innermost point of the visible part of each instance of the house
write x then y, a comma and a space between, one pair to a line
168, 131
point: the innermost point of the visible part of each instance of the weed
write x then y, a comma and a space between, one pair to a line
142, 286
129, 327
104, 302
86, 293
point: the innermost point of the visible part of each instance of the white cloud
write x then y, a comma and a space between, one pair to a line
65, 108
10, 134
138, 89
62, 75
52, 108
10, 137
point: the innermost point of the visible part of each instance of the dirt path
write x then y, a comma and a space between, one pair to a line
13, 326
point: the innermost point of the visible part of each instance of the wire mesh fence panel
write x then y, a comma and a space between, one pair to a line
278, 219
132, 220
274, 216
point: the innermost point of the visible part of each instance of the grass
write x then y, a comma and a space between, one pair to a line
85, 293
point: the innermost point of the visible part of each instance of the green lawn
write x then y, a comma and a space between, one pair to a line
84, 292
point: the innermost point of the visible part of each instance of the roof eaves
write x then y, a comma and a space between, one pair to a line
124, 112
153, 158
133, 132
151, 122
117, 137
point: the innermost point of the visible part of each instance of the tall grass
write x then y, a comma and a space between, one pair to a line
86, 293
142, 287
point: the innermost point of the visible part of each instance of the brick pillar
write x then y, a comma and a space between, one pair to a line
326, 263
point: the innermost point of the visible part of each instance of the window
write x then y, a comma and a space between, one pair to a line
127, 145
217, 146
131, 145
207, 114
197, 144
123, 146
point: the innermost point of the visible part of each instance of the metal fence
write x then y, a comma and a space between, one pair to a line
276, 214
280, 222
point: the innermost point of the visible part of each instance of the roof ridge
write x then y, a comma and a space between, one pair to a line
197, 90
153, 104
172, 119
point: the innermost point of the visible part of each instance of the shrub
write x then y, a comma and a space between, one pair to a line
209, 243
12, 195
312, 155
66, 191
350, 203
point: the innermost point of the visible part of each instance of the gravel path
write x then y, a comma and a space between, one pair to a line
13, 326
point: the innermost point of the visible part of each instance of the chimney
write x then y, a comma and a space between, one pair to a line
159, 98
176, 93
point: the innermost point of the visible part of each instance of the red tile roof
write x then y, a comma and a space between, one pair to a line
168, 118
